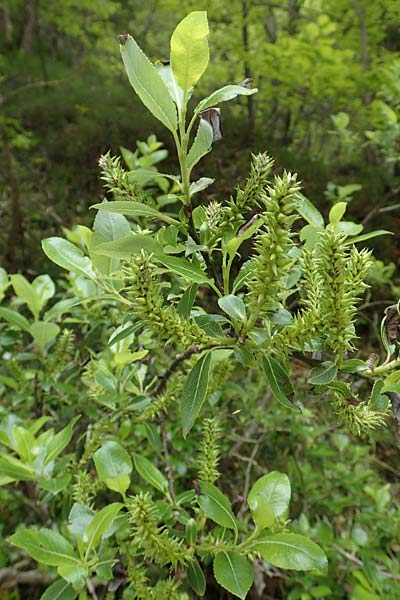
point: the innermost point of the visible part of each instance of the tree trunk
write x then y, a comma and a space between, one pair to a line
30, 24
14, 250
7, 23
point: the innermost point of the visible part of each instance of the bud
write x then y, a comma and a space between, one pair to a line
191, 531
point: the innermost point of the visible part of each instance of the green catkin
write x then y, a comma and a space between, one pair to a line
118, 181
163, 401
355, 414
148, 305
63, 349
155, 542
209, 453
272, 261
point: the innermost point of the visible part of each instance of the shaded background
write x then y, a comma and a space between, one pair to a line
328, 106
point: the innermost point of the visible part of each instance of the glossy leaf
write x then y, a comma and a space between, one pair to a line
200, 185
194, 392
308, 211
26, 293
15, 469
185, 304
148, 84
150, 473
60, 441
189, 49
234, 573
291, 551
113, 466
275, 489
224, 94
216, 506
367, 236
68, 256
168, 78
43, 332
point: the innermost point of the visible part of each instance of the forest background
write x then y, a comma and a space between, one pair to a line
328, 107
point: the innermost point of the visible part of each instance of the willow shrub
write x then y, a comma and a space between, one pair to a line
203, 293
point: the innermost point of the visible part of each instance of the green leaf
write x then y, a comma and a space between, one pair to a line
184, 267
189, 49
337, 211
133, 209
353, 365
308, 211
60, 441
125, 247
234, 307
55, 485
274, 489
196, 578
45, 546
68, 256
201, 144
150, 473
99, 525
224, 94
43, 332
194, 392
368, 236
148, 84
79, 518
44, 288
185, 304
14, 318
234, 573
15, 469
168, 78
59, 590
113, 466
278, 379
200, 185
324, 374
216, 506
26, 293
107, 228
291, 551
234, 244
76, 575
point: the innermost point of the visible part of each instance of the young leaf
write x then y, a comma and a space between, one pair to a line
113, 466
59, 590
234, 573
43, 332
194, 392
189, 49
148, 84
168, 78
184, 267
68, 256
133, 209
195, 577
274, 488
200, 185
150, 473
367, 236
308, 211
278, 379
26, 293
76, 575
224, 94
99, 525
45, 546
201, 144
216, 506
336, 213
234, 307
291, 551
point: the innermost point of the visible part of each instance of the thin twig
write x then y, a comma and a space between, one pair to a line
167, 460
